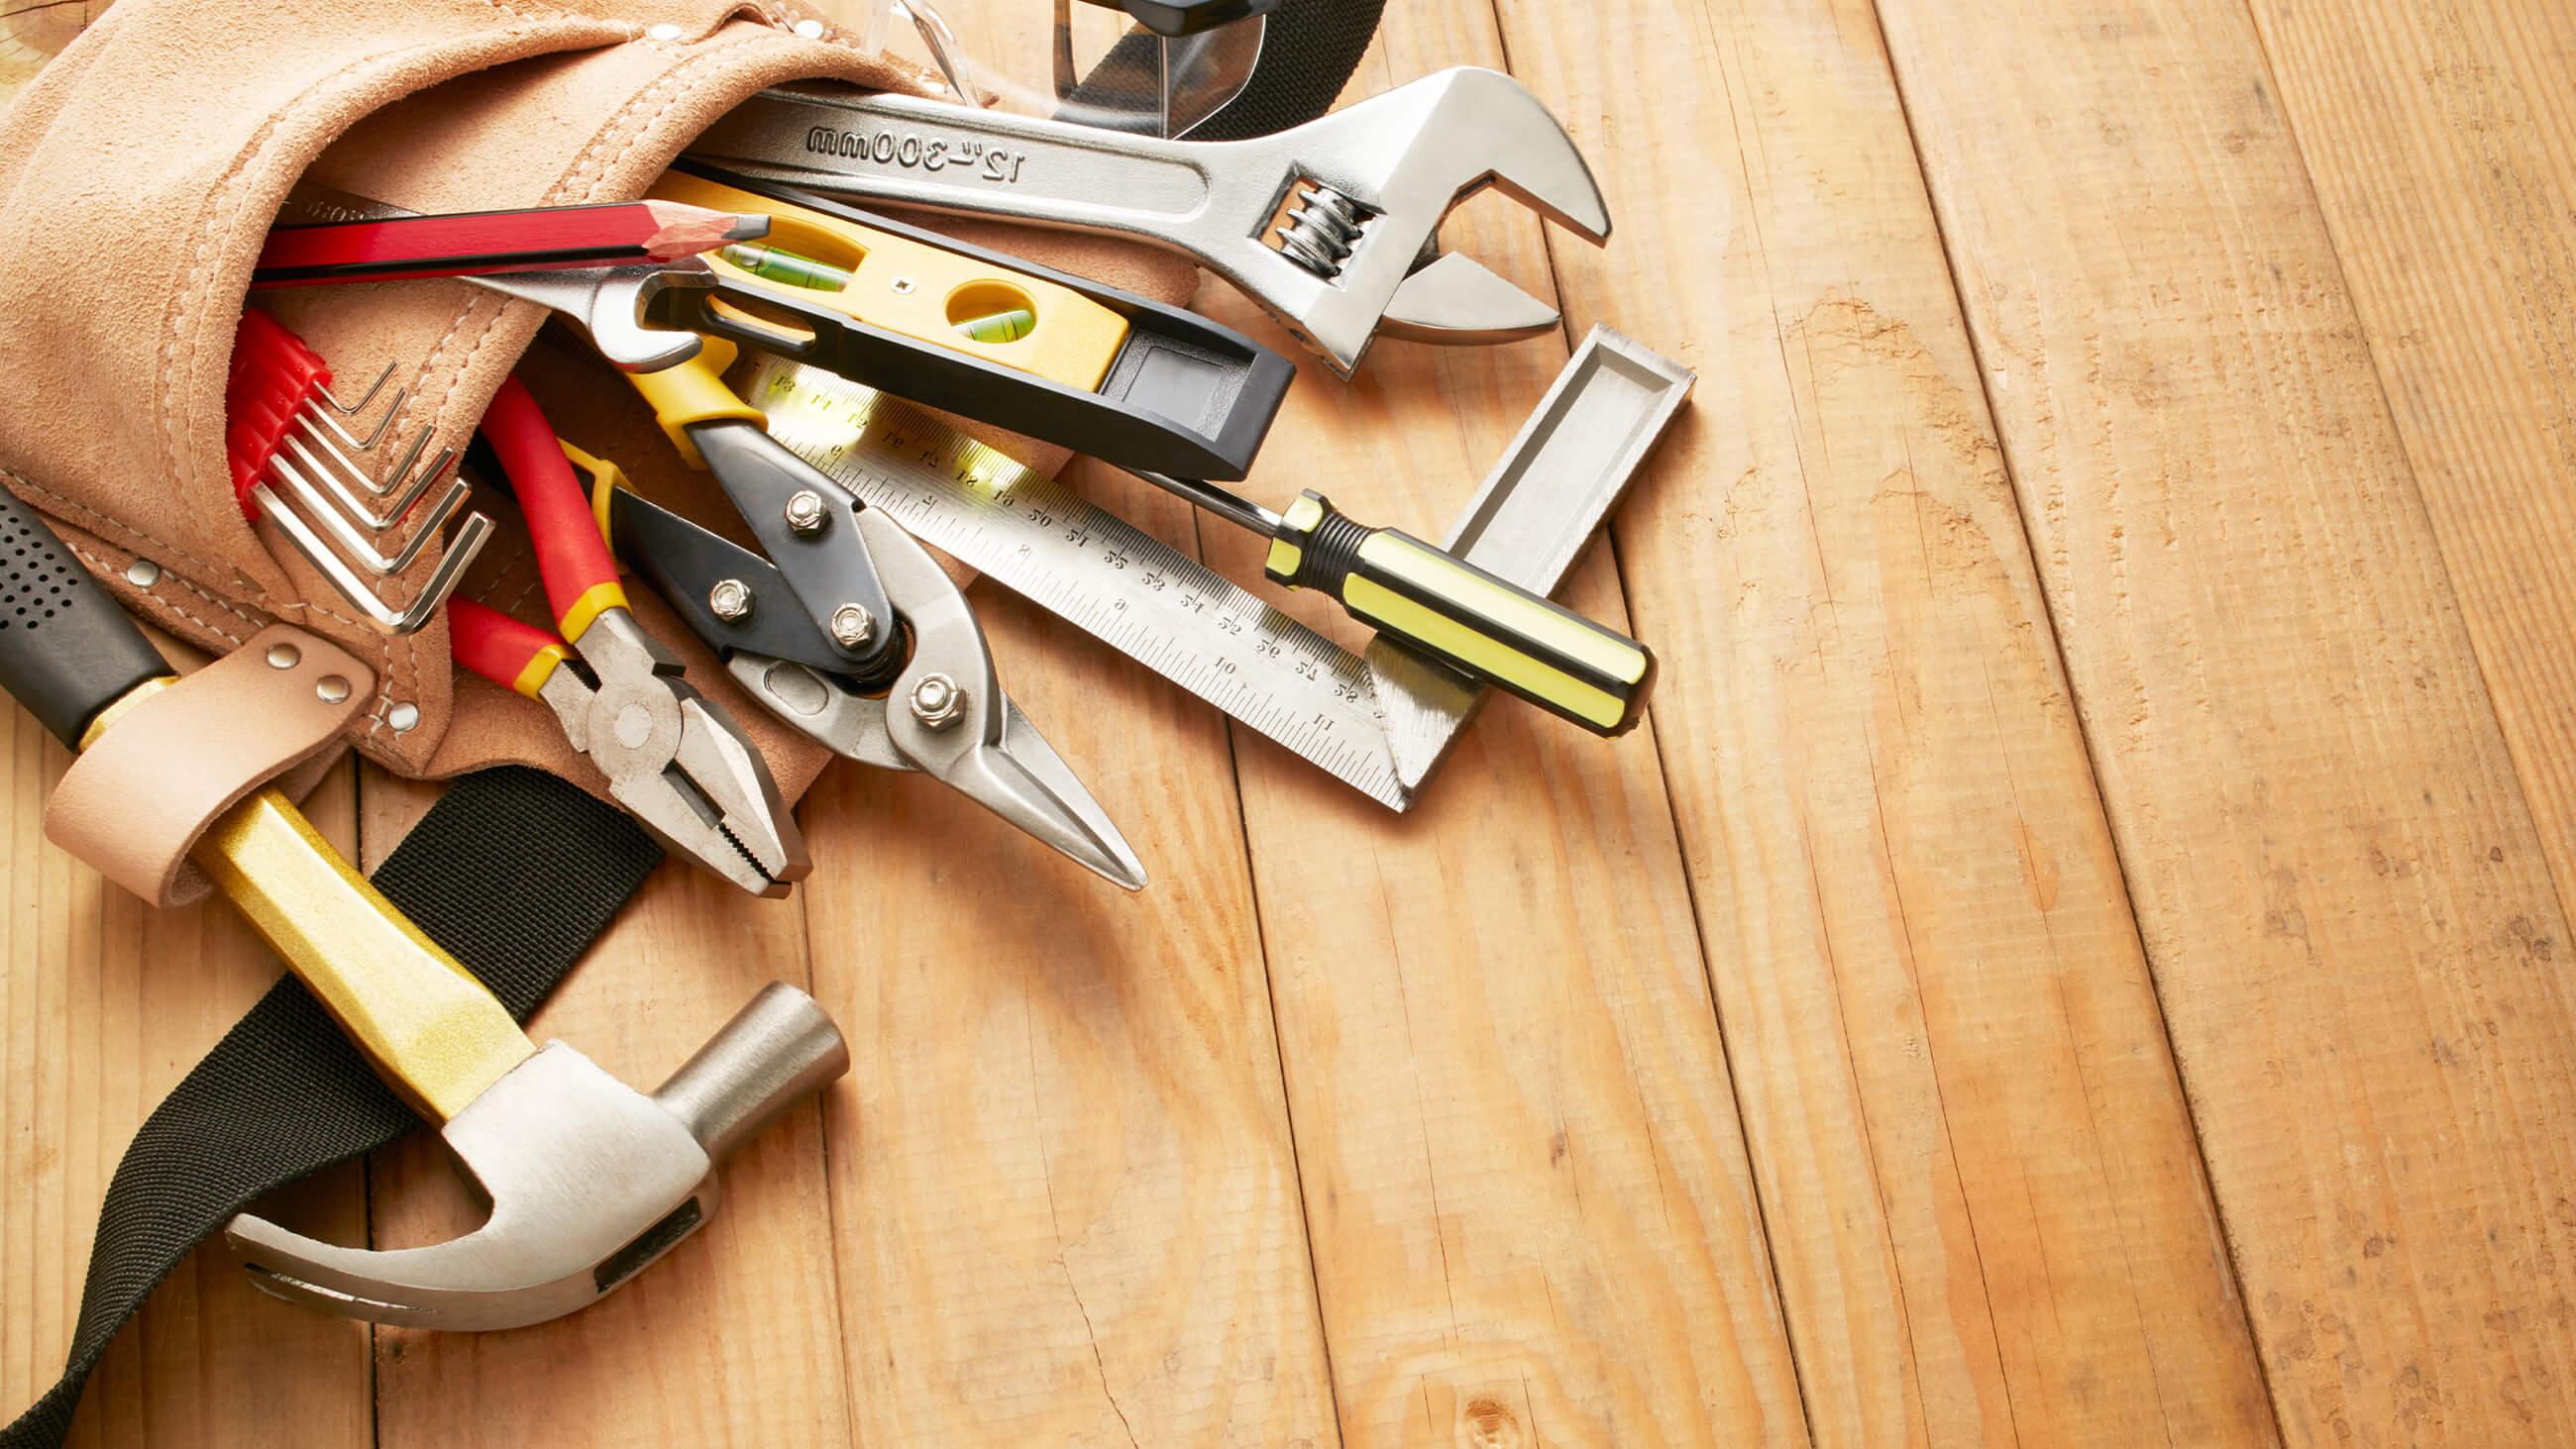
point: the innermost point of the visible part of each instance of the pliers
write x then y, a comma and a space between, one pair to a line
849, 631
674, 759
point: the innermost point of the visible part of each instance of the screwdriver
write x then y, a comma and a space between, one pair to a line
1452, 610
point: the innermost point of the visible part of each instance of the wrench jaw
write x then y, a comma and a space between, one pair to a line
611, 303
1407, 159
1394, 166
1455, 302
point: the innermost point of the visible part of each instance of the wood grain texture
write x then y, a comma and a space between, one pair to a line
1059, 1199
33, 31
2340, 887
1980, 1180
731, 1339
2464, 278
105, 1003
1066, 1194
1530, 1213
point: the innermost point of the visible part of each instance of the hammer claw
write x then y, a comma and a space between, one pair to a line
590, 1180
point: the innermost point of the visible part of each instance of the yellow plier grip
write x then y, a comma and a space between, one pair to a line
692, 392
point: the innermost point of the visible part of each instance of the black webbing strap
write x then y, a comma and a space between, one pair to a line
1307, 56
513, 871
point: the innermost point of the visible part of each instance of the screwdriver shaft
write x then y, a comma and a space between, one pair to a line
1222, 502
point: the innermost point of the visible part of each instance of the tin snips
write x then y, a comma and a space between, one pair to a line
848, 630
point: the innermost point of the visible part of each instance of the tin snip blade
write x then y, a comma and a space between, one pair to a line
848, 631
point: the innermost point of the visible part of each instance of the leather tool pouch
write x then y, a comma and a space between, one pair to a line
139, 174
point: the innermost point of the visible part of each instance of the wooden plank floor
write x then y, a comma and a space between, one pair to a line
2074, 958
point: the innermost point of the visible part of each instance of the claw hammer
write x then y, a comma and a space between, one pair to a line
589, 1180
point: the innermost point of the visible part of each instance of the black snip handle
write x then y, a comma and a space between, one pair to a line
67, 650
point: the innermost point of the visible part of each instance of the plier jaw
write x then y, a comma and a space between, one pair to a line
709, 796
943, 714
672, 757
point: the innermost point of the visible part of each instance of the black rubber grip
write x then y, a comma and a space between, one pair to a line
67, 650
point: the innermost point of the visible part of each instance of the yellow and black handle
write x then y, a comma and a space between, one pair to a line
1495, 630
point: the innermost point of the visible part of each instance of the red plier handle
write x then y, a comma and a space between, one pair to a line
690, 777
509, 653
580, 574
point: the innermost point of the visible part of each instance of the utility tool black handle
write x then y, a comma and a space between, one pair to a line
67, 650
1490, 627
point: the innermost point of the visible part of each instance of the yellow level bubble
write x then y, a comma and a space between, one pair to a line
772, 265
1008, 326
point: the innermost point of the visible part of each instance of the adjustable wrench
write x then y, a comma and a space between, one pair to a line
1331, 226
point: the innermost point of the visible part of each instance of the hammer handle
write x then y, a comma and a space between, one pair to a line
67, 652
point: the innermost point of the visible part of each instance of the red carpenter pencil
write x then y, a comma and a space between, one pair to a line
464, 243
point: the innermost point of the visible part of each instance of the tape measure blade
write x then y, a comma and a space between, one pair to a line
1095, 570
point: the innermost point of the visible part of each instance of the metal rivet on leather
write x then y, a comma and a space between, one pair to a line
331, 689
283, 656
810, 29
664, 32
143, 573
404, 718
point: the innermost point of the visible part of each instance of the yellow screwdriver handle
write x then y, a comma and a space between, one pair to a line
1495, 630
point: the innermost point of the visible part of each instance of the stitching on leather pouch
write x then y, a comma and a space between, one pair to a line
255, 625
108, 566
223, 200
520, 597
76, 506
502, 567
709, 50
675, 82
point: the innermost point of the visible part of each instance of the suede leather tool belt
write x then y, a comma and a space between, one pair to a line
440, 104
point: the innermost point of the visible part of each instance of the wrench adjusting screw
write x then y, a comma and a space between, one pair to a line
938, 702
805, 513
853, 626
1321, 228
729, 600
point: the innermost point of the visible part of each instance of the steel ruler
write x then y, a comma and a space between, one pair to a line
1379, 723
